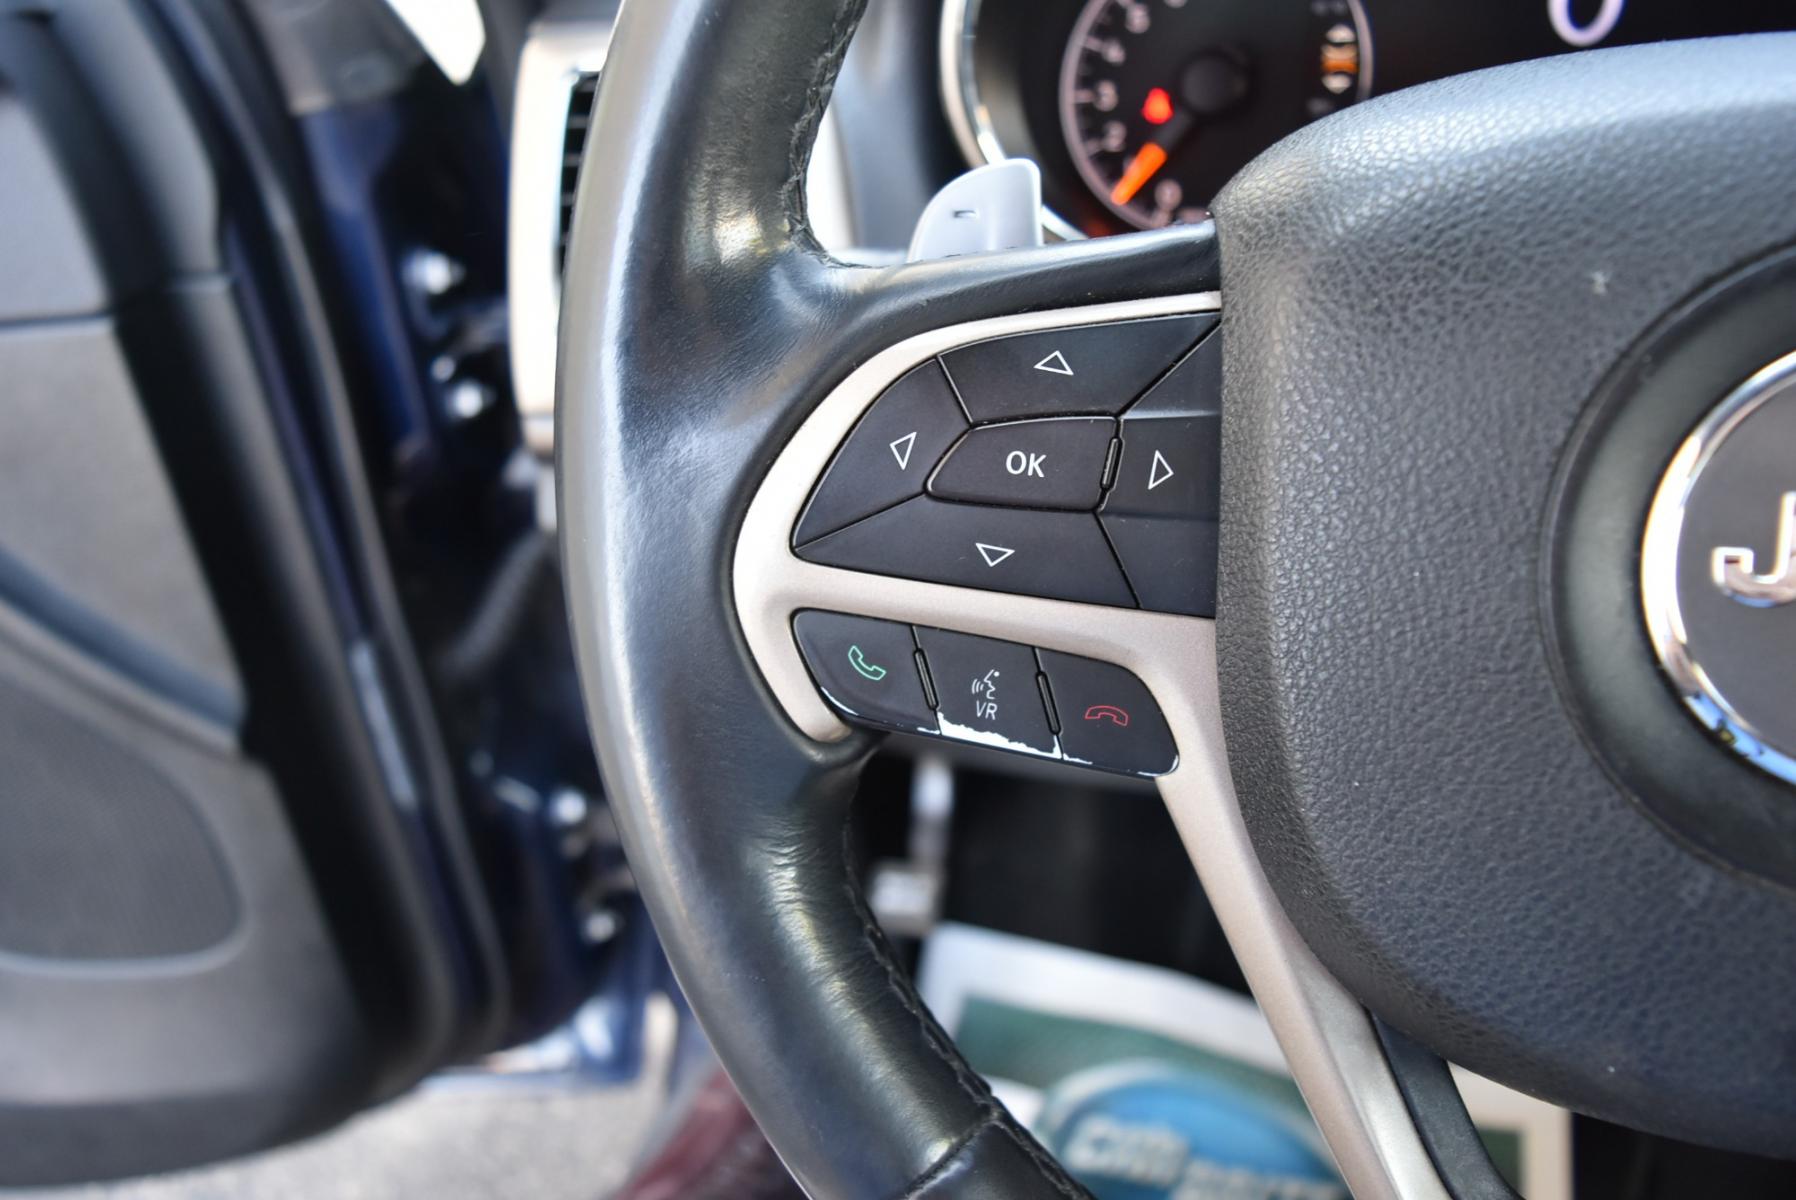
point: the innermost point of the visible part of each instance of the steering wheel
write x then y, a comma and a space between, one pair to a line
1470, 766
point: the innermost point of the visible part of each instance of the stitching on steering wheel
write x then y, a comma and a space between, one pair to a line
804, 133
934, 1037
945, 1163
1048, 1166
971, 1084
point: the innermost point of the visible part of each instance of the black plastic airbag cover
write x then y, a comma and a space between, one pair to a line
1421, 295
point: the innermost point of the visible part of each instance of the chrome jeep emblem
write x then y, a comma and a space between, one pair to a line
1733, 565
1723, 628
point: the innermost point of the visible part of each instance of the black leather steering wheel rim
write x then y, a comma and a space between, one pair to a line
712, 321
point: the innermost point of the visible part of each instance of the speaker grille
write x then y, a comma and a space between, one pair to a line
101, 857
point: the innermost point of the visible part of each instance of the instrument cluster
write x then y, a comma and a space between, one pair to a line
1138, 111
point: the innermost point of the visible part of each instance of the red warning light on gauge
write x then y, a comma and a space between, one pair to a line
1157, 108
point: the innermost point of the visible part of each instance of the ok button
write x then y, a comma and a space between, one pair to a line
1026, 462
1057, 462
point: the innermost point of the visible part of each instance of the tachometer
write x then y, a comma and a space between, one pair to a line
1162, 101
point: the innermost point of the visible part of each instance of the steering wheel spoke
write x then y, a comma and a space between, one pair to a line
1327, 1035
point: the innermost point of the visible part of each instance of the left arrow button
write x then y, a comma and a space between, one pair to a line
888, 456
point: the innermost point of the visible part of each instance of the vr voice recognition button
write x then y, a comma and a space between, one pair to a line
987, 692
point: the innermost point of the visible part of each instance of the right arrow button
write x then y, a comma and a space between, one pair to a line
1159, 471
1161, 509
1172, 443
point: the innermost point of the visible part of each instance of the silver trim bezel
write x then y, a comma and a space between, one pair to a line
1326, 1035
555, 55
1659, 570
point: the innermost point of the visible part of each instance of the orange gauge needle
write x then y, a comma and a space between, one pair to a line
1147, 161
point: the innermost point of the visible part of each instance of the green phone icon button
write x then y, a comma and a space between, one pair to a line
859, 662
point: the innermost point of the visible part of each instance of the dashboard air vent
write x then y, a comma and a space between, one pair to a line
579, 117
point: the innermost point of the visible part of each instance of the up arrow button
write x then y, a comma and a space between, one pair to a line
1085, 370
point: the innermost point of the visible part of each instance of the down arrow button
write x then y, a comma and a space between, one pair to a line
1061, 555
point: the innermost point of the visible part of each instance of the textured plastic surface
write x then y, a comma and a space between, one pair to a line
1423, 293
91, 540
1628, 709
104, 857
171, 993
